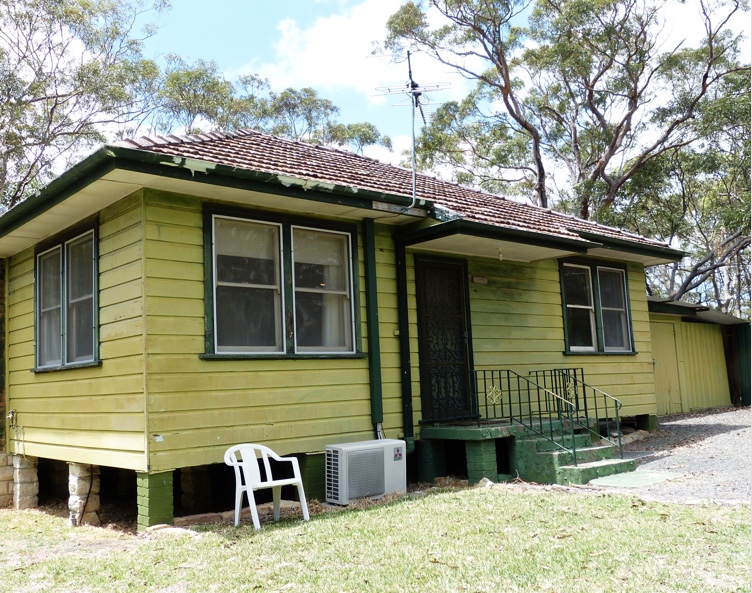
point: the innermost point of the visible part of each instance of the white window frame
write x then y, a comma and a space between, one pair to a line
286, 307
596, 315
65, 300
279, 289
349, 347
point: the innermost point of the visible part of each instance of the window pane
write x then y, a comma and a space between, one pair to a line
611, 284
50, 323
248, 302
323, 310
80, 329
247, 319
80, 311
577, 286
49, 279
49, 348
615, 330
322, 321
246, 252
580, 326
320, 260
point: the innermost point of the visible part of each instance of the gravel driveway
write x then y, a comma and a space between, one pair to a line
709, 455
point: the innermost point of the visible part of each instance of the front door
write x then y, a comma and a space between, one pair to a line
444, 340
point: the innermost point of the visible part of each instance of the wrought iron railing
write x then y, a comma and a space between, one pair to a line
596, 412
554, 404
506, 395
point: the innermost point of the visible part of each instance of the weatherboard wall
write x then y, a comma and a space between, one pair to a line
94, 414
517, 324
198, 407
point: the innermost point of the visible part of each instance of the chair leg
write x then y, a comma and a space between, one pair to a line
303, 503
254, 510
276, 495
238, 504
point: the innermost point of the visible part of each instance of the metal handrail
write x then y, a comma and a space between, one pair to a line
592, 405
538, 409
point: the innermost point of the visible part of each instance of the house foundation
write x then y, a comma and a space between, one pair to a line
6, 481
83, 499
195, 486
25, 482
154, 499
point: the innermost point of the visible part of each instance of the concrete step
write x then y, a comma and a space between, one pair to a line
582, 473
584, 455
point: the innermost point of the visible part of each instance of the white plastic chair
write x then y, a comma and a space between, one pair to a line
244, 460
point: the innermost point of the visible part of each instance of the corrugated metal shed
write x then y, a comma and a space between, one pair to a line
701, 357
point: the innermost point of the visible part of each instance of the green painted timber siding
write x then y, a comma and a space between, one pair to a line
96, 414
698, 360
199, 407
517, 324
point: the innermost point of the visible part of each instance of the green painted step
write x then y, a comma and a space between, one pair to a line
582, 473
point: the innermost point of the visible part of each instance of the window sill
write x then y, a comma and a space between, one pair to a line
593, 353
231, 356
65, 367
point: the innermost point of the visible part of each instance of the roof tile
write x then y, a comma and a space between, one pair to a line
255, 151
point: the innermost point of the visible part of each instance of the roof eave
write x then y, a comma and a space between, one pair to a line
649, 255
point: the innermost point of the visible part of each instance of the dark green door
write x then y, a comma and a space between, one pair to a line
444, 340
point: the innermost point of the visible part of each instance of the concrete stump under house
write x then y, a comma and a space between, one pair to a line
83, 494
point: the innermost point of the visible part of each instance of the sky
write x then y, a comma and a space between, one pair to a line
324, 44
327, 45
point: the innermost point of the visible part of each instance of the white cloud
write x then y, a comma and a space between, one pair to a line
335, 54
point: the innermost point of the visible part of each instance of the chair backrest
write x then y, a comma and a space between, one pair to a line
244, 460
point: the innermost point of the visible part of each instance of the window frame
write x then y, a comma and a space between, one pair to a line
599, 347
61, 244
286, 225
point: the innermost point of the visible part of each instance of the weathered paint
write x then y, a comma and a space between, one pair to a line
92, 415
199, 407
517, 324
696, 367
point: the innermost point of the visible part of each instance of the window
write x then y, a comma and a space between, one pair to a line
66, 303
596, 311
261, 308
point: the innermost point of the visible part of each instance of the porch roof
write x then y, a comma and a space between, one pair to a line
249, 167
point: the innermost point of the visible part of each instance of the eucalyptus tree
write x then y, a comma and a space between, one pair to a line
583, 87
70, 70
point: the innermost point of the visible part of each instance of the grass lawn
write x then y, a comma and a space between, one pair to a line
500, 539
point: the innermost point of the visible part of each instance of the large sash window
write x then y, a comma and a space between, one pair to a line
596, 312
281, 288
66, 303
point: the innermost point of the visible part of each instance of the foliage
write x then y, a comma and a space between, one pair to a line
72, 75
69, 71
584, 103
585, 86
196, 97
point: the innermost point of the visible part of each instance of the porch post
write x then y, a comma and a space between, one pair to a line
400, 254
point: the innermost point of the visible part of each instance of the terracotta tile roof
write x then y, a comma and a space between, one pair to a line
251, 150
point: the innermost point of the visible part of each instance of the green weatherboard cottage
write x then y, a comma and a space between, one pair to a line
169, 297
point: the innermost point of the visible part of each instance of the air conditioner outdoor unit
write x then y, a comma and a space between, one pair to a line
365, 469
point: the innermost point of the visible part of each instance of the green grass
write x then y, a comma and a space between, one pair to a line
498, 539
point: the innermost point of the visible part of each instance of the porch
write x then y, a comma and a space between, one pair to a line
549, 426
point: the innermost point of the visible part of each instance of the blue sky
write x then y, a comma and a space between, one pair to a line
325, 44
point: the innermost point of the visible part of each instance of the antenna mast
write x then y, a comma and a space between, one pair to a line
414, 91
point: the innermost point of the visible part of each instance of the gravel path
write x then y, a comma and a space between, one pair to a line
710, 451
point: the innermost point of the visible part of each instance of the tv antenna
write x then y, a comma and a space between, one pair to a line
415, 92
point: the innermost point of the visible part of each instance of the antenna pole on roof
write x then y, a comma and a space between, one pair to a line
415, 92
414, 99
